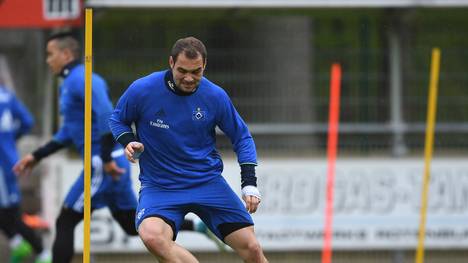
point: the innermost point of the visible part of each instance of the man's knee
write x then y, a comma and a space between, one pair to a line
255, 251
254, 247
155, 234
149, 233
246, 244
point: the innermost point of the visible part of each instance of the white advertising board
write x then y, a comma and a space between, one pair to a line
376, 205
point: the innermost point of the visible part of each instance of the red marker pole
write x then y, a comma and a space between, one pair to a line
334, 116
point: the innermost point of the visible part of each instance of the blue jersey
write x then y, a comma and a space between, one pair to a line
15, 121
105, 191
178, 132
72, 98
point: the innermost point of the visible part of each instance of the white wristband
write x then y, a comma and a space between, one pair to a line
251, 190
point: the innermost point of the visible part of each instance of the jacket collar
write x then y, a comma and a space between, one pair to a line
67, 69
170, 84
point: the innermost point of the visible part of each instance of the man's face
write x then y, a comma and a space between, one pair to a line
57, 58
187, 72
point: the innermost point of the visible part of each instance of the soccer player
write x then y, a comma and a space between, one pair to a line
175, 112
15, 121
111, 181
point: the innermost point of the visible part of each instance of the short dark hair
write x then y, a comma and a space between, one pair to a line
67, 40
191, 47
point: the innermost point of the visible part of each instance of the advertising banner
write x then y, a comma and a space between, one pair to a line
376, 205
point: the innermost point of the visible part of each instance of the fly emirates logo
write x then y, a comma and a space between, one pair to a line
159, 123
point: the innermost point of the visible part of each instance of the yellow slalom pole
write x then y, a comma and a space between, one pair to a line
428, 147
87, 132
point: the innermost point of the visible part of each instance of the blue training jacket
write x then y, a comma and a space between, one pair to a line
15, 121
72, 96
178, 132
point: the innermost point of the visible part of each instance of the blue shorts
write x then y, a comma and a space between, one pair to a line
214, 202
105, 191
10, 196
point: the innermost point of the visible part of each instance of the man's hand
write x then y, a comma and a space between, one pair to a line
24, 166
251, 197
113, 169
133, 151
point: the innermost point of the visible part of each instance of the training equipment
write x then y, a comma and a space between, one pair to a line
20, 252
43, 261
